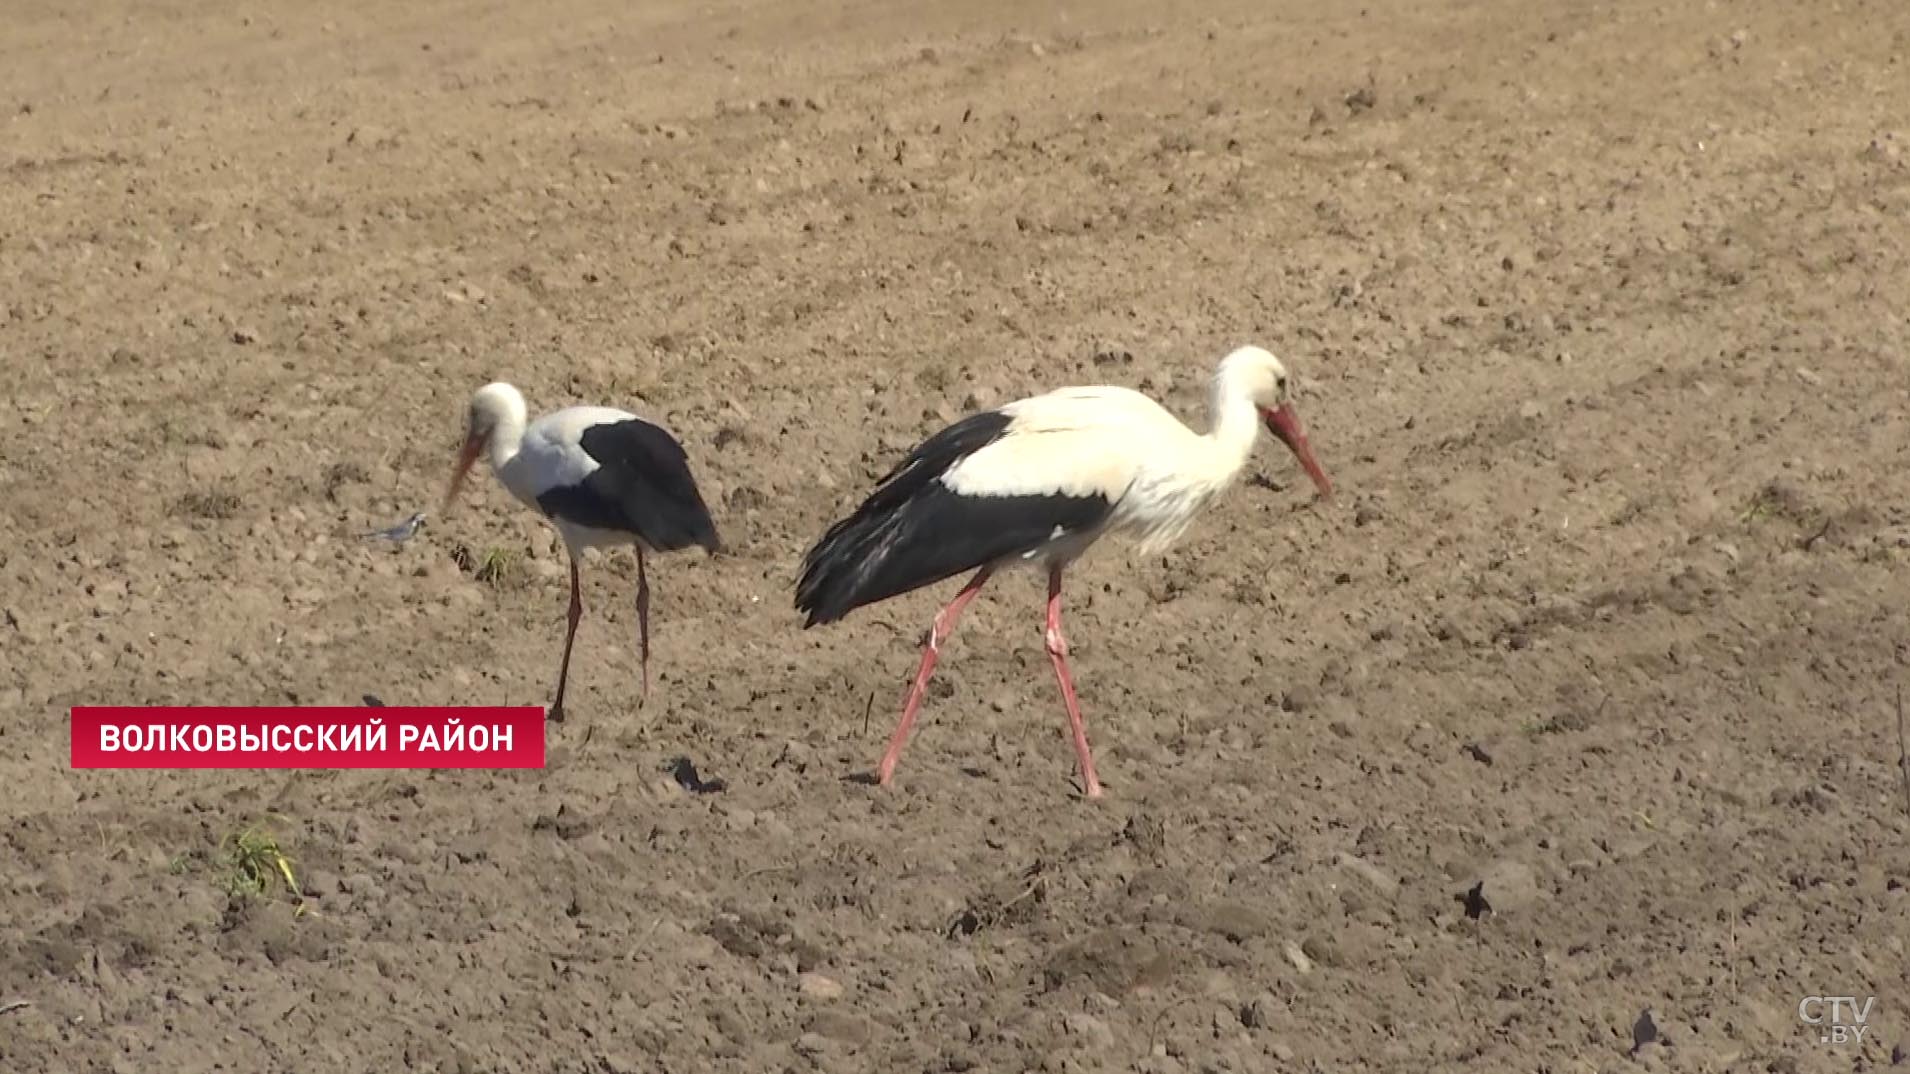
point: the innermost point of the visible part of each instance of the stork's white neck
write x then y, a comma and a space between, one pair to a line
505, 440
1235, 429
503, 407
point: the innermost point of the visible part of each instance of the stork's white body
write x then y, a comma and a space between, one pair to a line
548, 454
1114, 444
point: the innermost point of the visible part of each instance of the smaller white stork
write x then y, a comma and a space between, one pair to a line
1036, 482
603, 478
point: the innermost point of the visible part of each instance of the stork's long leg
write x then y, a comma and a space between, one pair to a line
1058, 652
944, 626
643, 620
570, 637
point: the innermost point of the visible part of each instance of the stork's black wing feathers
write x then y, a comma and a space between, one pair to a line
642, 485
914, 530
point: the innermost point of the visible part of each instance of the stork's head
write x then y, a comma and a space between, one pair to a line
497, 409
1262, 379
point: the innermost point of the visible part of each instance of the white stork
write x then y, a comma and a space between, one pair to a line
603, 477
1036, 482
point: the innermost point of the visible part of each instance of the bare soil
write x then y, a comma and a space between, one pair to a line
1600, 311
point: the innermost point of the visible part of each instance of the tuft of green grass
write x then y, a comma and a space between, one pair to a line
1561, 723
173, 435
498, 567
1775, 500
340, 474
215, 503
253, 865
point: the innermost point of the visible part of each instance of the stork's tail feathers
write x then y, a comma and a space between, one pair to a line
838, 572
906, 535
826, 590
710, 542
699, 527
887, 549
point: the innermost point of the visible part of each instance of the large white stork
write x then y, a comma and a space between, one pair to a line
1036, 482
603, 477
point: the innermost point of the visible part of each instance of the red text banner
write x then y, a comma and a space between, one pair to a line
308, 737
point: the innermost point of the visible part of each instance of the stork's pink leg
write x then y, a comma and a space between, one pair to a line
570, 637
931, 648
1058, 652
643, 620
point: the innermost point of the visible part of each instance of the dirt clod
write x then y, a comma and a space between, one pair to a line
1503, 888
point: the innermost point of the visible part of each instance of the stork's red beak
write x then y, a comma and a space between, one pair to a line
1285, 424
466, 456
